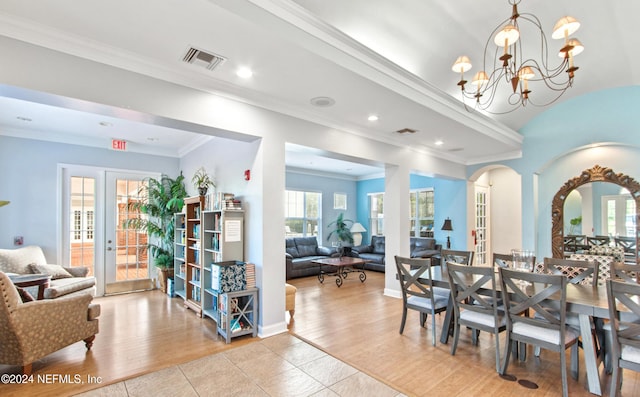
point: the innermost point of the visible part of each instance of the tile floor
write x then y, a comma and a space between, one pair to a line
282, 365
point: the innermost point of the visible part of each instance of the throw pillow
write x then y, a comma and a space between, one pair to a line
55, 271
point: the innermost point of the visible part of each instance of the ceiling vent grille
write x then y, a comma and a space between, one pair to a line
405, 130
203, 58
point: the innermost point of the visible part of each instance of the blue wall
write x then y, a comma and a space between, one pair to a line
450, 201
599, 128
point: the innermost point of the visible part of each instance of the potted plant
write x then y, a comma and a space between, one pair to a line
575, 222
341, 229
202, 181
160, 200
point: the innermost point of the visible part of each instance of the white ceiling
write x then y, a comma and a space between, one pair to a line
371, 56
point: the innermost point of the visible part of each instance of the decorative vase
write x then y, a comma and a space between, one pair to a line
203, 190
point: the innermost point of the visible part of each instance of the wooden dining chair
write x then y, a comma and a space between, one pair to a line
418, 295
456, 256
502, 260
625, 349
625, 272
597, 241
477, 285
545, 294
577, 271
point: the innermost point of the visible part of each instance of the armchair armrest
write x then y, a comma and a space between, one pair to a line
321, 250
363, 249
77, 271
69, 313
288, 256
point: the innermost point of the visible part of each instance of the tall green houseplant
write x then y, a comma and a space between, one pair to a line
159, 200
341, 230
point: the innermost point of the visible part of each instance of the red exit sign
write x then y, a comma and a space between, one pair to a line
119, 144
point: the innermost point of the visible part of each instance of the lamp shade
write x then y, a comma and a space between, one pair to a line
447, 225
357, 228
4, 202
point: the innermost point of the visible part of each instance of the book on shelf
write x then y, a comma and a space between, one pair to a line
251, 275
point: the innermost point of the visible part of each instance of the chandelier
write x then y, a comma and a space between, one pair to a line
510, 64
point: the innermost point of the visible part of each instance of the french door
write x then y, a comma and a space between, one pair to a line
93, 206
127, 265
481, 226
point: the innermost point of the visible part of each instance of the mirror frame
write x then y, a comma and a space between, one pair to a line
595, 174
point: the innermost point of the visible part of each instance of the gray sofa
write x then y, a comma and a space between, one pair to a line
300, 251
419, 247
31, 260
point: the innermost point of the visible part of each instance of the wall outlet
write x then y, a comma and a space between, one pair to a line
18, 240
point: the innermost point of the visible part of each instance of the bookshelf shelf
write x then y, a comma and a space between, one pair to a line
238, 312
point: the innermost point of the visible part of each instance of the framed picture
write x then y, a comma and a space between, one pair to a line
339, 201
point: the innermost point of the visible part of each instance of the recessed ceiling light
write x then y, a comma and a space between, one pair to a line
372, 117
244, 72
439, 142
323, 101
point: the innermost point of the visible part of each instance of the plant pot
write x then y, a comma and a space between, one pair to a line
163, 275
203, 191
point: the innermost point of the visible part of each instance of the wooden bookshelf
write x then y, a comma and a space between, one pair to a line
193, 275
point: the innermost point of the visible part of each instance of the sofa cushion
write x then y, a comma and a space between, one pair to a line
18, 260
422, 244
378, 244
65, 286
307, 246
55, 271
290, 247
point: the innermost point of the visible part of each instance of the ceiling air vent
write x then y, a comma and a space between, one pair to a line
202, 58
405, 130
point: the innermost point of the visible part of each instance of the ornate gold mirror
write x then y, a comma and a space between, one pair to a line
597, 173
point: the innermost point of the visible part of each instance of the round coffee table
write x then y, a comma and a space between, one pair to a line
32, 280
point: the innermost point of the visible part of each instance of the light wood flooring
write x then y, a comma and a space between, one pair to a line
146, 332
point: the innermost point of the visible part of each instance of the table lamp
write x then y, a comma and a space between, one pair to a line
447, 226
356, 231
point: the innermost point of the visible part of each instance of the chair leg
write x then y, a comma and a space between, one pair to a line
474, 336
291, 313
433, 328
613, 392
522, 351
497, 337
563, 370
404, 319
607, 351
89, 341
423, 319
456, 334
575, 362
27, 368
505, 363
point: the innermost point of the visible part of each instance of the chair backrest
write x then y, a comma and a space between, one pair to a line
409, 271
520, 297
598, 240
468, 288
502, 260
627, 243
506, 260
578, 272
463, 257
625, 328
625, 272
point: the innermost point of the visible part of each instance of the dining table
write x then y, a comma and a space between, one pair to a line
586, 301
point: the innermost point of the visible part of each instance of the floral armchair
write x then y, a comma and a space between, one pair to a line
32, 330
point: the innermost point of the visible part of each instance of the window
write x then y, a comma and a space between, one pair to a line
376, 214
302, 213
618, 215
82, 222
422, 210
